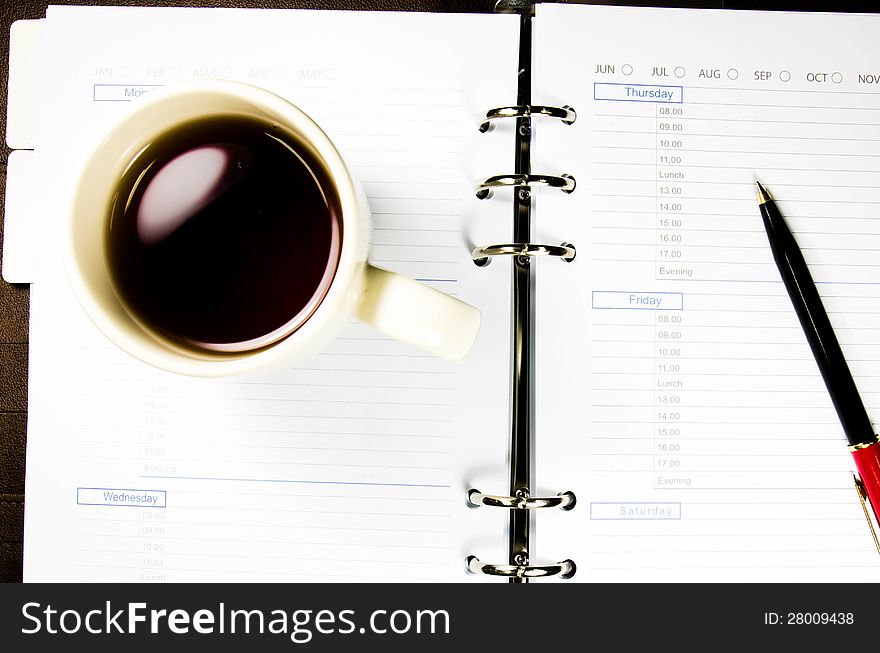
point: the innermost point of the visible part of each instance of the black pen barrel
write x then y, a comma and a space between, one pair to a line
817, 327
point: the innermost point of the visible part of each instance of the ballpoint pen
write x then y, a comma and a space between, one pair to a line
864, 443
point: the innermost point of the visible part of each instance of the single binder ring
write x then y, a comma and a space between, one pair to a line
564, 569
515, 7
565, 183
563, 500
482, 255
565, 113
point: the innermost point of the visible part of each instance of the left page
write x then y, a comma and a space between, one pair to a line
350, 465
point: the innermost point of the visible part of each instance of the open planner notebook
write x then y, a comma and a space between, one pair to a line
660, 376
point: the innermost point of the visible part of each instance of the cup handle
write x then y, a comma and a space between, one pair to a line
417, 314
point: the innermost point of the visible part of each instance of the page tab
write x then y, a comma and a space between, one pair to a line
24, 43
18, 223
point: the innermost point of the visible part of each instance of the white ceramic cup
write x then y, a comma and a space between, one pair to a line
397, 306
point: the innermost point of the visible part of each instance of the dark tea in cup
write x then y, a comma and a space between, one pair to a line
223, 234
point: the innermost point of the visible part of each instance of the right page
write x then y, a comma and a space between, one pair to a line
676, 393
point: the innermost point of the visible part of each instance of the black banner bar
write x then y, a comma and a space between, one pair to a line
423, 617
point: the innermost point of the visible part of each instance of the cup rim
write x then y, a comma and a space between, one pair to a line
165, 354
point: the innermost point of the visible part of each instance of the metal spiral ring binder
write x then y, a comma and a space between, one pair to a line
565, 113
564, 569
521, 501
565, 183
482, 255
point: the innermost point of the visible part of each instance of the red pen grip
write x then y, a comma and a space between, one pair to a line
868, 466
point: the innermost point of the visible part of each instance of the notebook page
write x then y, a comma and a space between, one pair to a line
349, 465
707, 448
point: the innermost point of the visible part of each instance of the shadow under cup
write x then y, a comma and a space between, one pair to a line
214, 237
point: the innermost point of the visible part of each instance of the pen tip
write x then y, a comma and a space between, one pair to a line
763, 195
